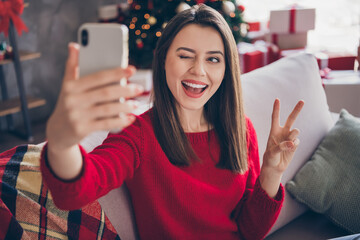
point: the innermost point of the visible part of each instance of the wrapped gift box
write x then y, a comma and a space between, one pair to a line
292, 20
257, 30
336, 60
256, 55
287, 40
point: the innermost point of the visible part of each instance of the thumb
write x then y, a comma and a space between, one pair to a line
72, 63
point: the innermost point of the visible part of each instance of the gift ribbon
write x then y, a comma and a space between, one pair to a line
324, 73
10, 10
292, 20
323, 60
274, 38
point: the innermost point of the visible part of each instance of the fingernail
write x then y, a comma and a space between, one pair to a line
130, 70
139, 89
131, 118
123, 82
289, 145
73, 44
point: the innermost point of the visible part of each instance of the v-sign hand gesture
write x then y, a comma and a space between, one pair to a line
280, 149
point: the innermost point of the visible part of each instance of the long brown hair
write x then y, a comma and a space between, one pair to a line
224, 110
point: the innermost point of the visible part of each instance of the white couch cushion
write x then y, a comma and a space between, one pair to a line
289, 79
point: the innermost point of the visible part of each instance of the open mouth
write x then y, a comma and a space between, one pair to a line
193, 89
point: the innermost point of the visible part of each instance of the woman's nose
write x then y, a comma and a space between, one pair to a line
198, 68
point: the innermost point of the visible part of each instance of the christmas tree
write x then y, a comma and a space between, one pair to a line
147, 18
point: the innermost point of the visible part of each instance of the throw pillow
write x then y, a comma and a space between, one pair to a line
329, 182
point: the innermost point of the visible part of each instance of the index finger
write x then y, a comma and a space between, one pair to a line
293, 115
275, 117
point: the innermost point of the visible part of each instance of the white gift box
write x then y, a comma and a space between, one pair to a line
292, 20
287, 40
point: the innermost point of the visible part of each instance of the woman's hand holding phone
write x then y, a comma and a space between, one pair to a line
88, 104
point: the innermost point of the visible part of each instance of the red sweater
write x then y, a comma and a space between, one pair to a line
195, 202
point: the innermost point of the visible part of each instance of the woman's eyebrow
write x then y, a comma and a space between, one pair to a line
186, 49
193, 51
215, 52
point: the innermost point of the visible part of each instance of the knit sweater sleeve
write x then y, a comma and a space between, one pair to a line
257, 212
104, 169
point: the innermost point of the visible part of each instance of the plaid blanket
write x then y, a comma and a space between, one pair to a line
27, 210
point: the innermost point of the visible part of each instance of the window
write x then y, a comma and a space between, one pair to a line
337, 24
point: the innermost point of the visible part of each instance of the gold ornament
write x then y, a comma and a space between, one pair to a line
182, 6
228, 7
152, 20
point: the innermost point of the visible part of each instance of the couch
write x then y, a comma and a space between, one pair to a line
289, 79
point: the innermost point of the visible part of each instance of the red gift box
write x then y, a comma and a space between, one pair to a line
257, 31
254, 26
256, 55
258, 26
336, 60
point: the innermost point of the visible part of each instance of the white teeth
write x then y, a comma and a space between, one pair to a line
193, 85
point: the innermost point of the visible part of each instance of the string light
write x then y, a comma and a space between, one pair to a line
145, 26
143, 35
158, 34
132, 26
137, 7
146, 16
137, 32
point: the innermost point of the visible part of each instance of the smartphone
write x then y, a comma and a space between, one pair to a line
102, 46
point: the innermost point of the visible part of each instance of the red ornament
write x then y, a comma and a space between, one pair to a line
10, 10
241, 8
200, 1
139, 44
121, 19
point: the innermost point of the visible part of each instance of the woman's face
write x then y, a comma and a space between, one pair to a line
195, 65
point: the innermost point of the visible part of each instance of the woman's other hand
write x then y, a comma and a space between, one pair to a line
281, 146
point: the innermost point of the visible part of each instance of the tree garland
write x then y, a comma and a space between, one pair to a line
11, 10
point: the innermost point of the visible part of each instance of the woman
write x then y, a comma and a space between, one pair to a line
191, 162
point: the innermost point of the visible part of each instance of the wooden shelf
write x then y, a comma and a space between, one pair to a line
13, 105
24, 56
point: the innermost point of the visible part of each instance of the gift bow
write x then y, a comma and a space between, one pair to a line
10, 10
325, 73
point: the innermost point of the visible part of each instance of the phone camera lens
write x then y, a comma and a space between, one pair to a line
84, 37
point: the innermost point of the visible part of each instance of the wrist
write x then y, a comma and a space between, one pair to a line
270, 181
